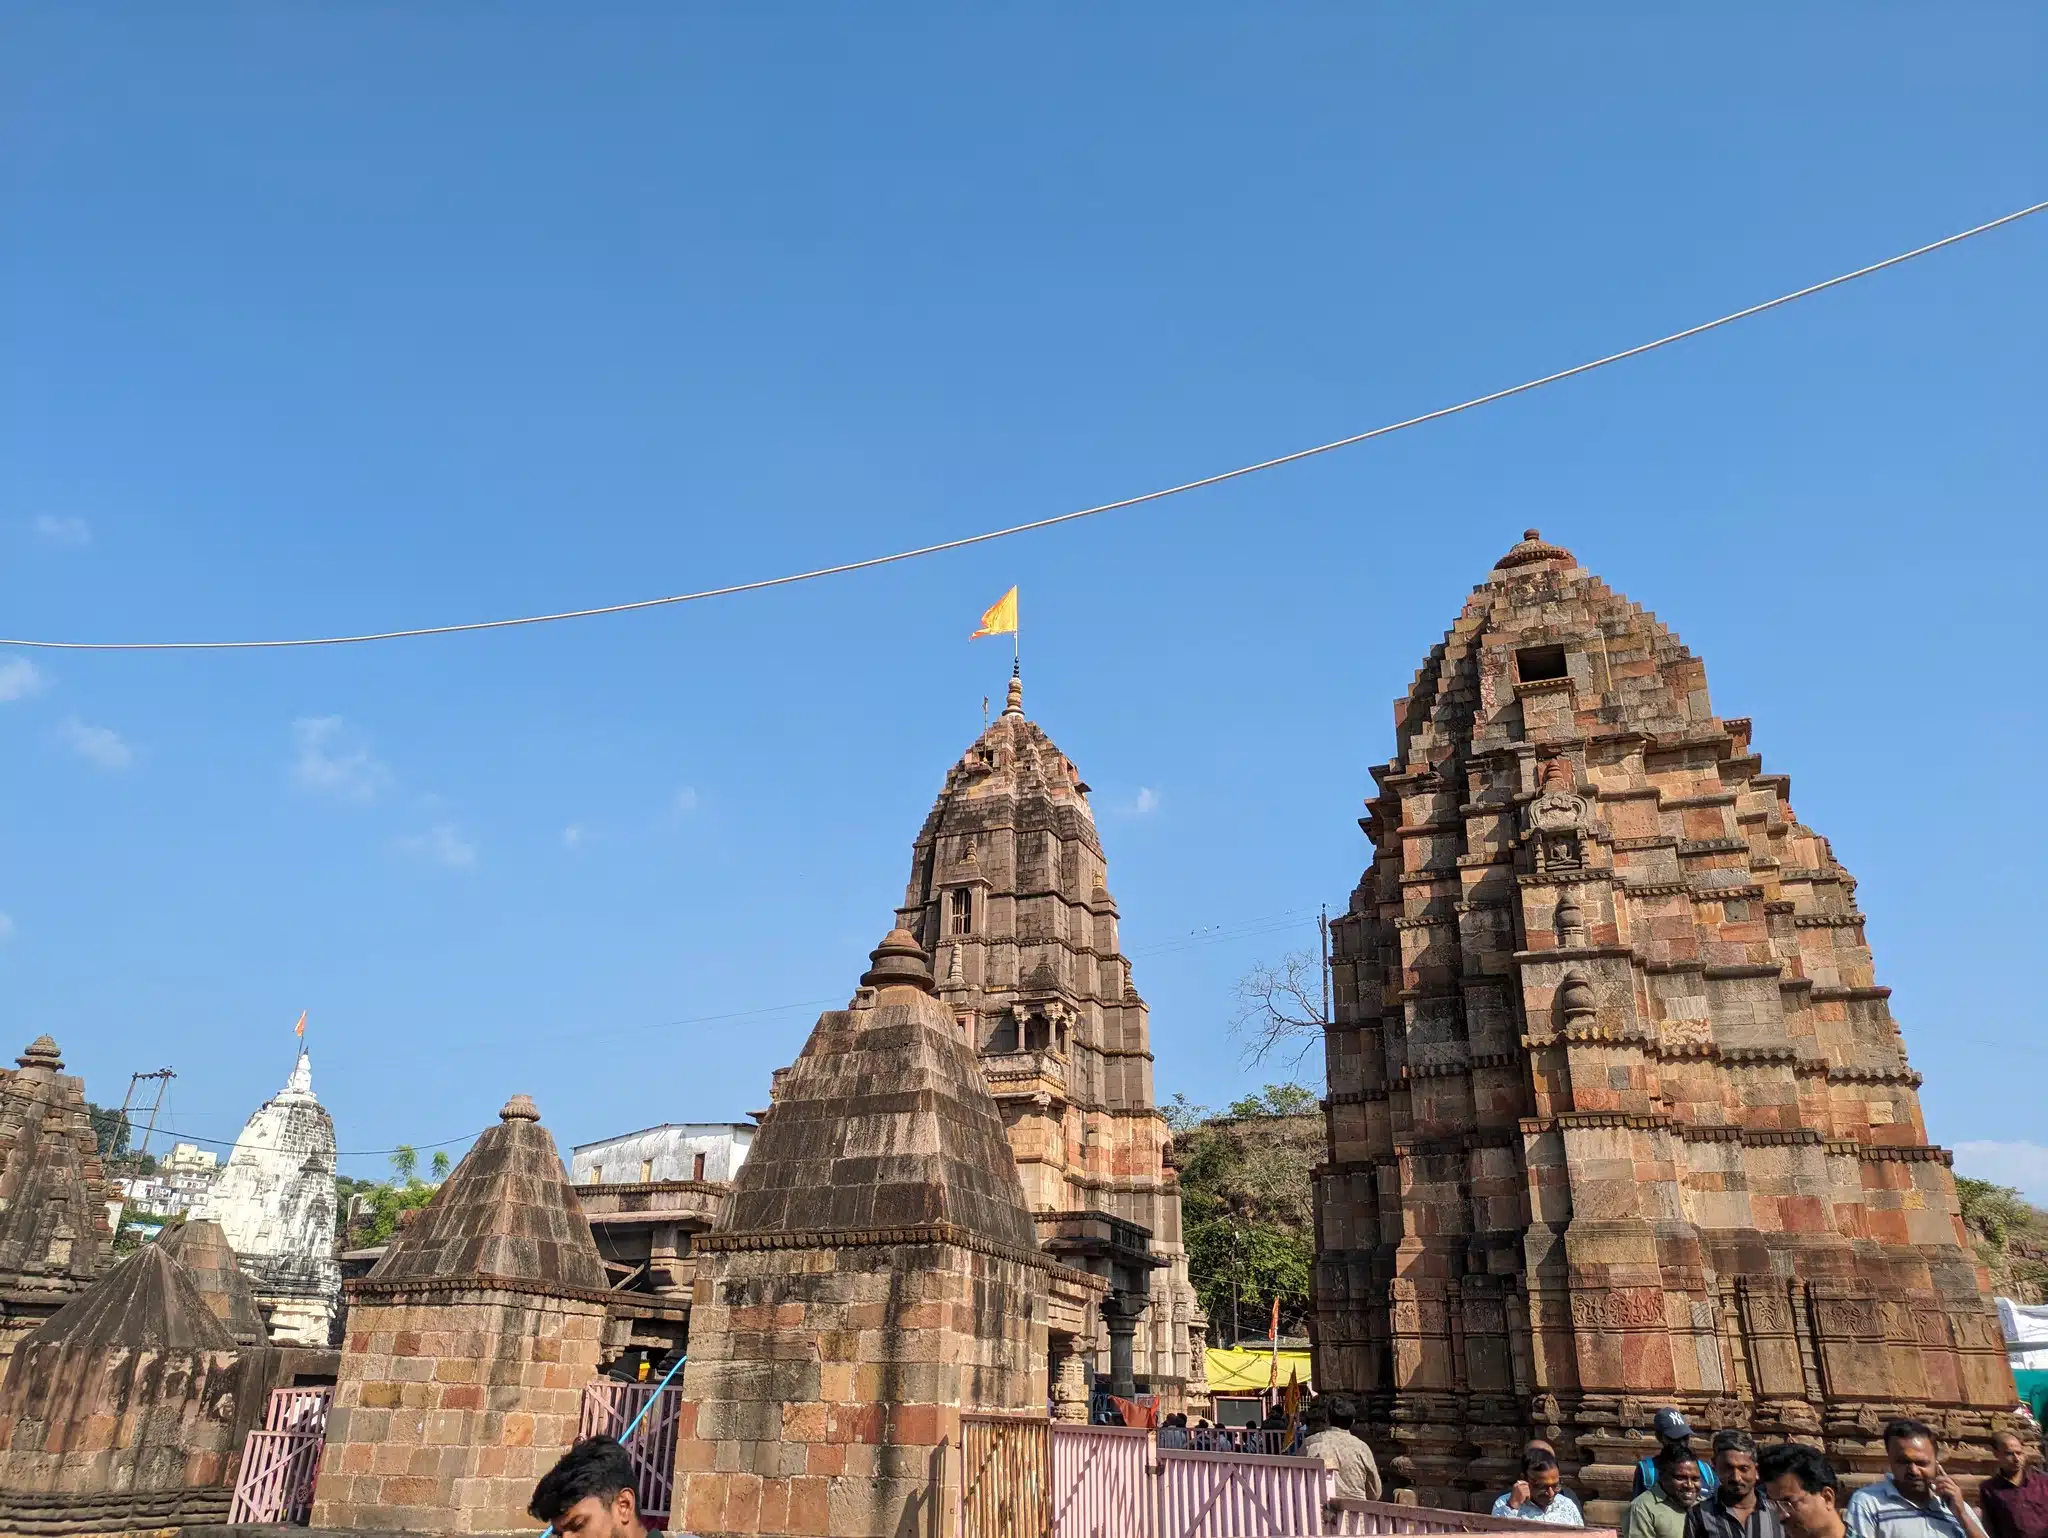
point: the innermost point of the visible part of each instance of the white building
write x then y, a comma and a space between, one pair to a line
711, 1151
275, 1202
183, 1180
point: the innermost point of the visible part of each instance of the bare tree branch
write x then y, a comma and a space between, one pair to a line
1280, 1006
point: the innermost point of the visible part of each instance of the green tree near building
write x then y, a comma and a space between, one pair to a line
1247, 1206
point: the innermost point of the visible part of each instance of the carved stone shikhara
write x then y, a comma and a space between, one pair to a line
1009, 894
1618, 1114
275, 1202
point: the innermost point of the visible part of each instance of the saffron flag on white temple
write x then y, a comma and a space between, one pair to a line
300, 1028
1001, 618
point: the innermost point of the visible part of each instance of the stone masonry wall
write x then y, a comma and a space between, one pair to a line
450, 1405
825, 1386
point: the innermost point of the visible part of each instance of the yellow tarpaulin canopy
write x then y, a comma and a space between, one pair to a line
1235, 1371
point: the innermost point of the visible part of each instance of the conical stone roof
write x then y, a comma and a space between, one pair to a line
202, 1249
147, 1302
507, 1212
884, 1121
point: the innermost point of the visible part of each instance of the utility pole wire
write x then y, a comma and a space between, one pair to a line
1045, 523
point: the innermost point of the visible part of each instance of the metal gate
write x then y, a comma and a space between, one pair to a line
1100, 1482
1005, 1477
1221, 1495
608, 1409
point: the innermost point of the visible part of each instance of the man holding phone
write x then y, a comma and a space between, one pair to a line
1918, 1498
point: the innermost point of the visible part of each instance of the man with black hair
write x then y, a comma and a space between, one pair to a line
1358, 1474
2015, 1499
1539, 1495
1918, 1498
590, 1493
1671, 1427
1660, 1511
1735, 1508
1804, 1490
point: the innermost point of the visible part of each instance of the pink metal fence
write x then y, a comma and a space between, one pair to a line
298, 1409
1101, 1482
1225, 1495
608, 1409
281, 1462
276, 1480
1383, 1519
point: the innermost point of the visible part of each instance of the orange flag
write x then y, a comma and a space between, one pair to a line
1001, 618
300, 1028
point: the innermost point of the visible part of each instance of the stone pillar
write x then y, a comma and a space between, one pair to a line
1121, 1312
1070, 1379
468, 1348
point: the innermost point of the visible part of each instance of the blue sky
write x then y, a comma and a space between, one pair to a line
333, 318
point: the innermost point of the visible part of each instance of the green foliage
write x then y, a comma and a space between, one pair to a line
1247, 1204
111, 1127
380, 1213
2010, 1236
405, 1163
441, 1165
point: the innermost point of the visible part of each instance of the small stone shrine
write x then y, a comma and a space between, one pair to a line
122, 1410
1619, 1116
54, 1237
275, 1202
1009, 892
202, 1249
467, 1348
875, 1274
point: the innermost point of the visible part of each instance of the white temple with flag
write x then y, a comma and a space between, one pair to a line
275, 1202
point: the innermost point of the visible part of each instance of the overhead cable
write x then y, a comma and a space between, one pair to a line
1045, 523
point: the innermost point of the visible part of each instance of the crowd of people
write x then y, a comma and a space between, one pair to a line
1793, 1491
1787, 1491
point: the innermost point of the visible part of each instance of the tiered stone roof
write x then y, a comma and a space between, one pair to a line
199, 1246
506, 1214
1009, 896
1617, 1106
54, 1237
883, 1122
147, 1302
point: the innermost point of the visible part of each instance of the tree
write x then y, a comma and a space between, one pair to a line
440, 1165
1281, 1008
111, 1128
1247, 1204
2010, 1236
405, 1163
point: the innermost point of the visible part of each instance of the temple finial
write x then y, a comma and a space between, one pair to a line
1015, 707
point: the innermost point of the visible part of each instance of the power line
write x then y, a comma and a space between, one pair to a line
1045, 523
340, 1153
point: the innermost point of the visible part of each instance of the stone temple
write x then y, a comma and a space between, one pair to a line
275, 1202
1009, 893
54, 1236
1618, 1114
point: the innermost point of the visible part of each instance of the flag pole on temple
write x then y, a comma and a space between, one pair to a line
299, 1031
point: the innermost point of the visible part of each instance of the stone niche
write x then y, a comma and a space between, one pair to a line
874, 1277
467, 1348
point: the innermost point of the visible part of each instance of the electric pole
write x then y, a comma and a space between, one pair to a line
163, 1077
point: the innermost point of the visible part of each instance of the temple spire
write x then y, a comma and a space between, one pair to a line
1015, 707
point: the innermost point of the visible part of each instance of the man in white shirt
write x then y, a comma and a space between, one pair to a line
1538, 1496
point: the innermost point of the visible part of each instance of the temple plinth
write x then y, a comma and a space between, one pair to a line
1619, 1115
